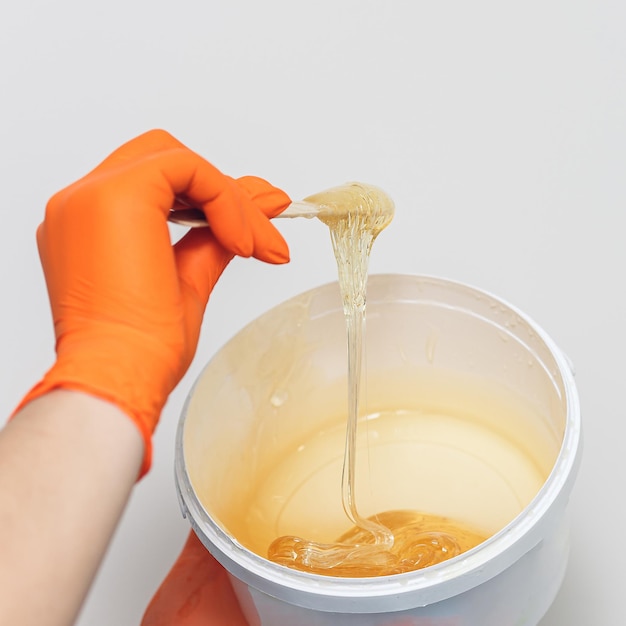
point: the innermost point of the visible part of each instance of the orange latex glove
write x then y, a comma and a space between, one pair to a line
196, 592
126, 304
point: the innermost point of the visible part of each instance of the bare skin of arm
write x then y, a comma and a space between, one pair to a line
68, 462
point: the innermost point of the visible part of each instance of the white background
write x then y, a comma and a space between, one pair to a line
498, 128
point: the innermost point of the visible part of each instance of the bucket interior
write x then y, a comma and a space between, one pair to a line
463, 413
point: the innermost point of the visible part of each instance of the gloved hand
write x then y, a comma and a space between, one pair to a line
196, 592
126, 304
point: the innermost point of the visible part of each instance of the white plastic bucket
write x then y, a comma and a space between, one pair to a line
266, 390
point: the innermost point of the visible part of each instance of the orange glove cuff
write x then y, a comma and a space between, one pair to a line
94, 364
57, 379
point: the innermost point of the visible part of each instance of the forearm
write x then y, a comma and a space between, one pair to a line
68, 462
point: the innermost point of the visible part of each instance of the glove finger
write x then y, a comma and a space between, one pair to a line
130, 162
182, 172
145, 145
169, 169
196, 592
200, 261
267, 198
268, 243
263, 201
237, 210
